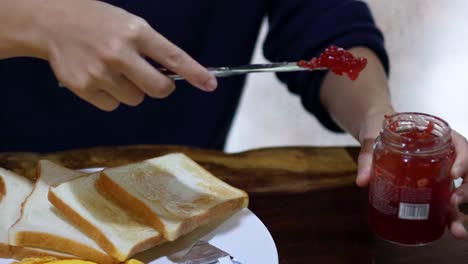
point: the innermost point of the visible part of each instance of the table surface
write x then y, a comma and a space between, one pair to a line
305, 196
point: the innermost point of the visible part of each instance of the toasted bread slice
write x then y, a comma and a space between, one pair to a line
41, 225
14, 189
119, 233
172, 193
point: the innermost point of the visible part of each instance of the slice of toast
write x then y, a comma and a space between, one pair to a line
14, 189
172, 193
119, 233
41, 225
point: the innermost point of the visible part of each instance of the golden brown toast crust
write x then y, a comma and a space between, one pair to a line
87, 228
2, 189
119, 195
49, 241
5, 251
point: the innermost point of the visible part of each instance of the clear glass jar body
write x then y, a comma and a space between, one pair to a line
411, 184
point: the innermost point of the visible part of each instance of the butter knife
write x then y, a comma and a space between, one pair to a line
249, 68
203, 252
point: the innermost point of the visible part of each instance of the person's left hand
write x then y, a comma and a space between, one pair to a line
369, 132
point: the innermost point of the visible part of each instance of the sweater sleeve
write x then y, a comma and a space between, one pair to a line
301, 29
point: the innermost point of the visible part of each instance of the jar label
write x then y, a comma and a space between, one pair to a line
409, 211
400, 198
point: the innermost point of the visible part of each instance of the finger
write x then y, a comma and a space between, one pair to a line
460, 195
456, 226
145, 76
175, 59
99, 98
460, 166
365, 163
122, 89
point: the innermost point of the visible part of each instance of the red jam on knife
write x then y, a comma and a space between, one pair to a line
338, 60
411, 184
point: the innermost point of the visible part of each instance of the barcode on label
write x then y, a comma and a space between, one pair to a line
413, 211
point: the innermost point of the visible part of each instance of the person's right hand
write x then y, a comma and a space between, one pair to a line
98, 51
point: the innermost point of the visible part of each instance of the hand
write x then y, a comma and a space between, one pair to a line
460, 195
98, 52
370, 131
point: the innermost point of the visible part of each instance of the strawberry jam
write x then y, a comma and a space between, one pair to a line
411, 184
338, 60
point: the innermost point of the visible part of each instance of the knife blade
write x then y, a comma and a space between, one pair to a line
202, 252
250, 68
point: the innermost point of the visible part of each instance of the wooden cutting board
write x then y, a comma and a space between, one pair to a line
288, 169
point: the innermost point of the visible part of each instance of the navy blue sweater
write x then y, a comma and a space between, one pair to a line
37, 115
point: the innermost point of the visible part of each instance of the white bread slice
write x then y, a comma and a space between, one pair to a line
20, 253
4, 247
14, 189
41, 225
172, 193
119, 233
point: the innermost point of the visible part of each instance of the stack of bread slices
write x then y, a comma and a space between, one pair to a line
111, 215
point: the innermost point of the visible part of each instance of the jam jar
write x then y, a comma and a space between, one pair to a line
411, 185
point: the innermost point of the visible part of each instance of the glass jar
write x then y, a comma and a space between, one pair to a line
411, 184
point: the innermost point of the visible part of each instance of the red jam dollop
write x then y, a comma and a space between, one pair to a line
338, 60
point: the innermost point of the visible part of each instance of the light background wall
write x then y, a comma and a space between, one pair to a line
427, 42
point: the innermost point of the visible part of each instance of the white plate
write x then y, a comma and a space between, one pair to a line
243, 235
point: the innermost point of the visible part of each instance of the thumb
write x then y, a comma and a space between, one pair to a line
365, 163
